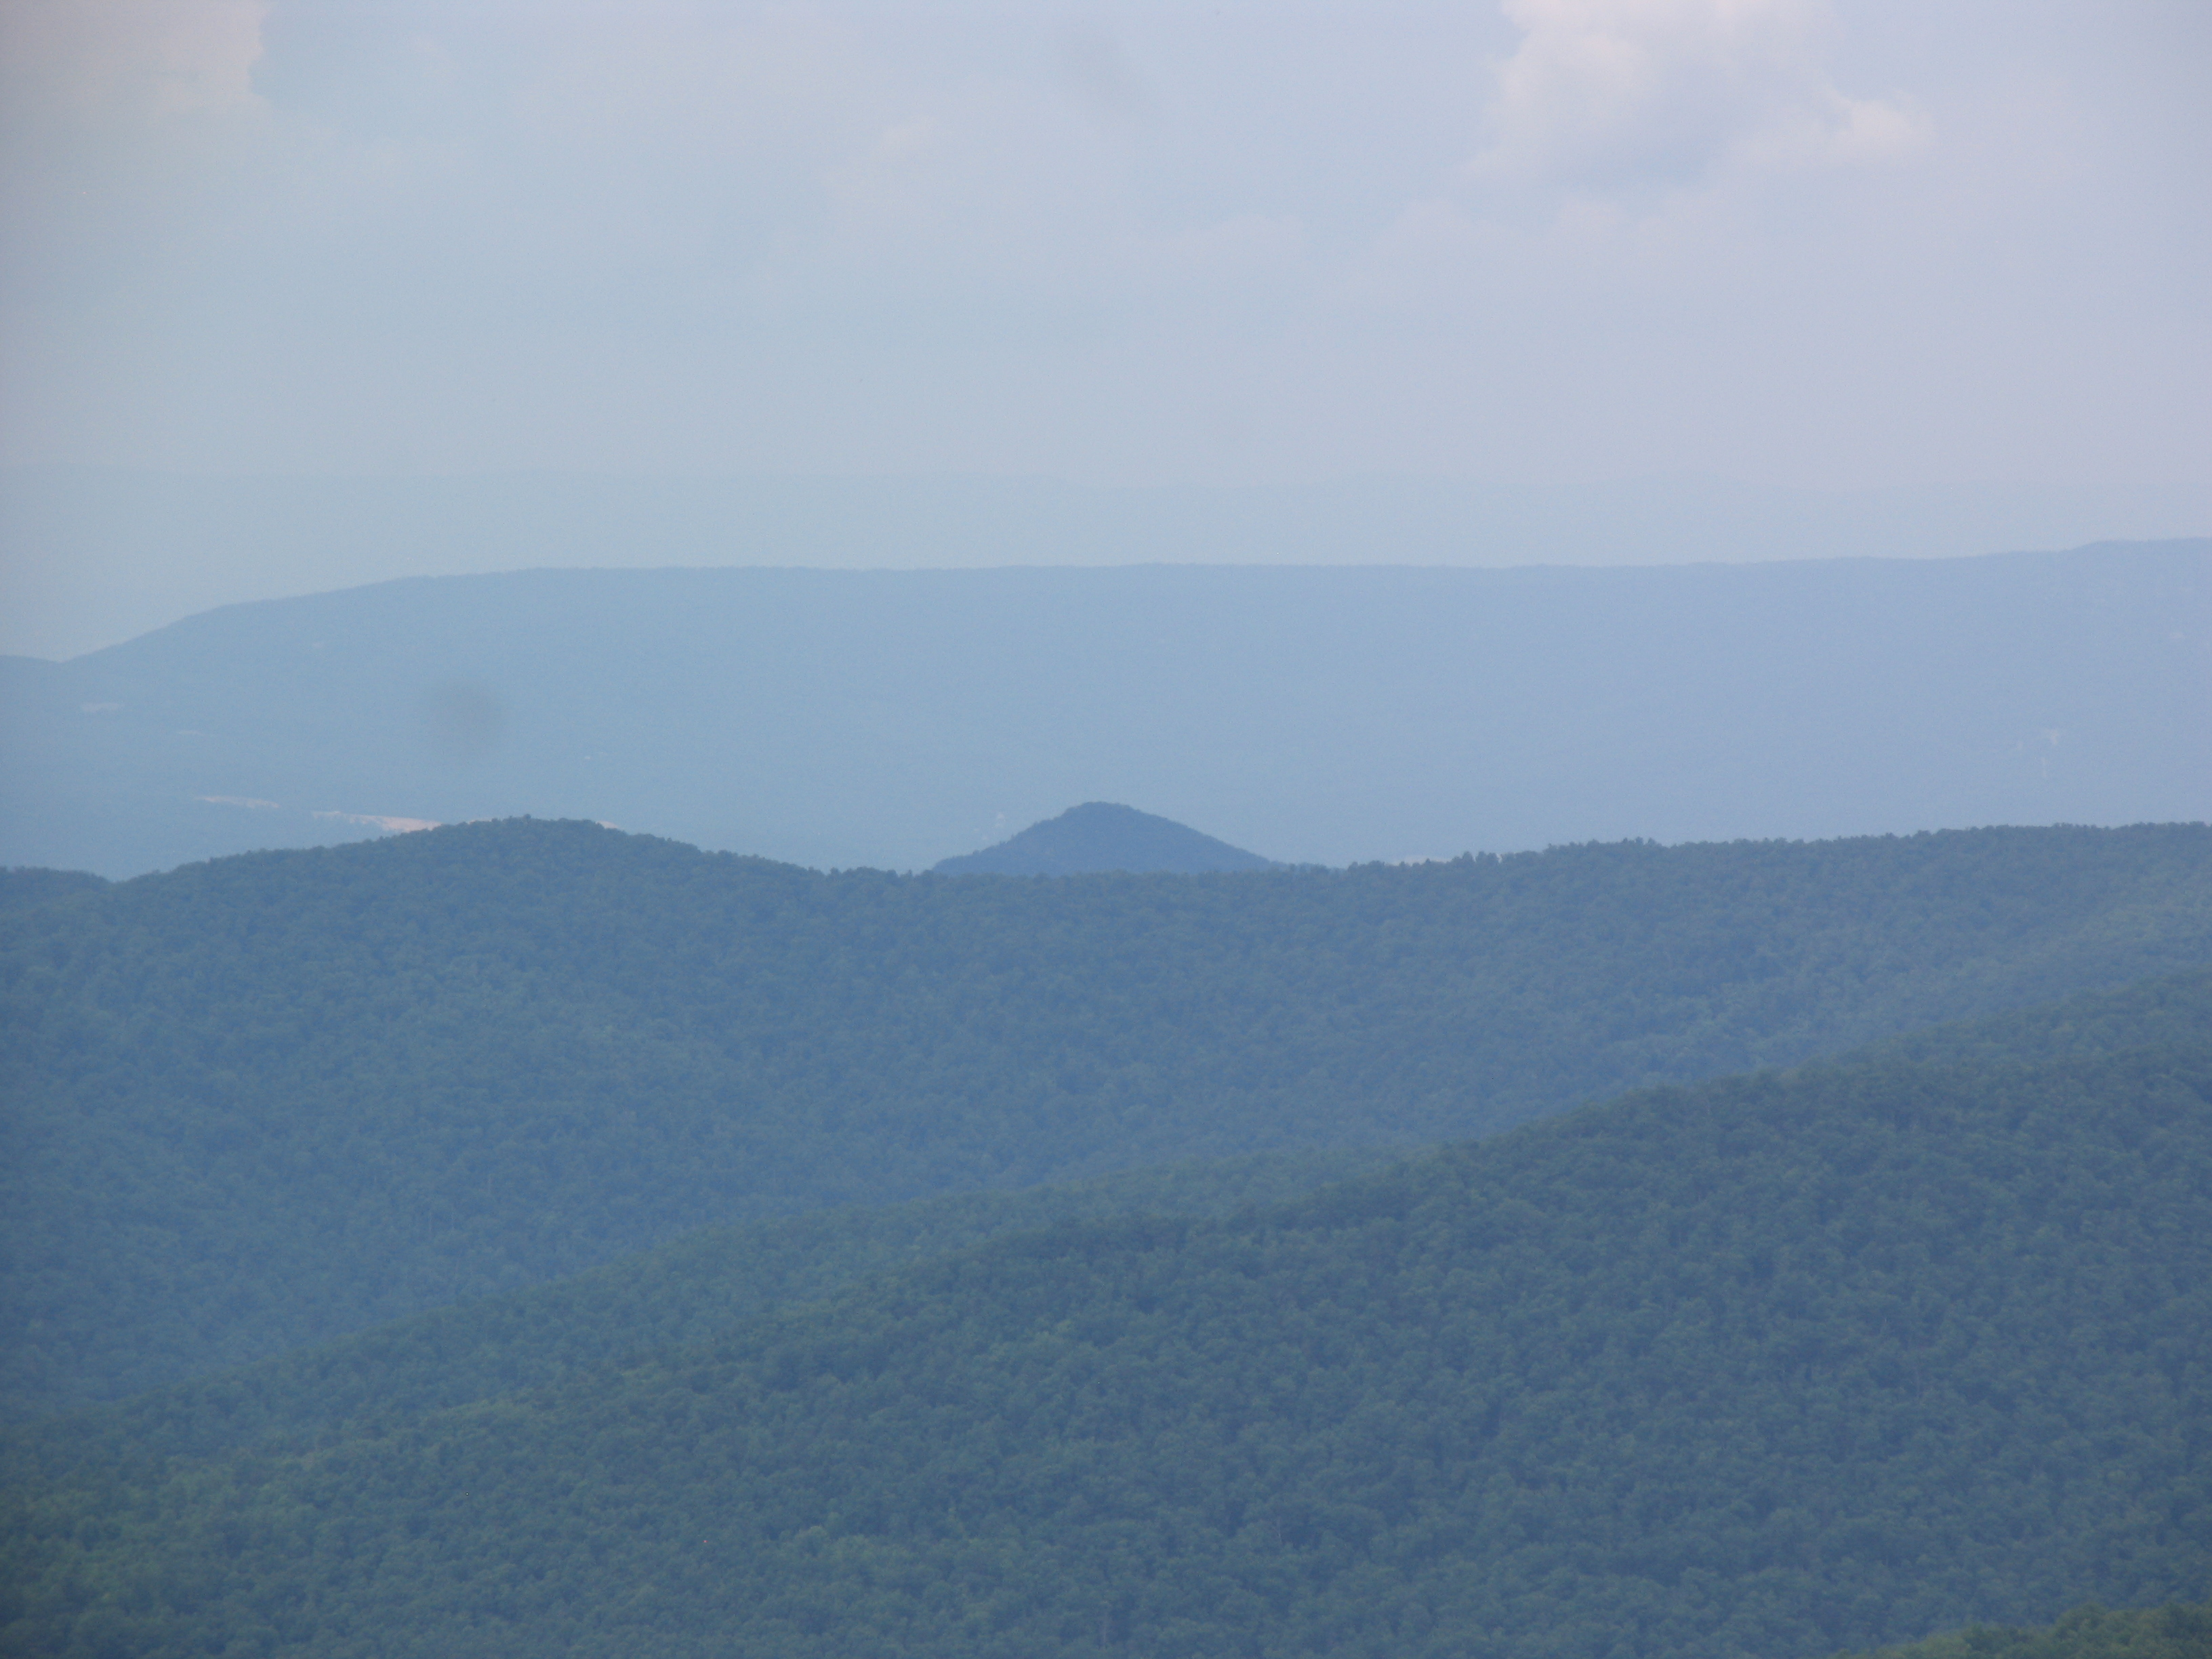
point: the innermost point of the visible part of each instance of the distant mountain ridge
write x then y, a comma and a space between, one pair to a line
837, 719
1099, 836
128, 550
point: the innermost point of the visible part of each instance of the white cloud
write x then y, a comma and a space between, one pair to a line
1622, 96
1154, 241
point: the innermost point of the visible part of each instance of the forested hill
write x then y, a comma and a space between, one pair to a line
20, 889
688, 1290
270, 1099
1100, 835
835, 718
2178, 1632
1758, 1368
693, 1288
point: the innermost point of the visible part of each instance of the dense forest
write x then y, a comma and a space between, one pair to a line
694, 1287
683, 1291
2091, 1633
271, 1099
21, 888
1760, 1368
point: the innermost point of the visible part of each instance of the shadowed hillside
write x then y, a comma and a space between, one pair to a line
1756, 1369
271, 1099
21, 888
2178, 1632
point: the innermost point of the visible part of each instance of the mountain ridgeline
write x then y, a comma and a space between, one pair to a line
1760, 1368
20, 888
271, 1099
888, 718
1098, 837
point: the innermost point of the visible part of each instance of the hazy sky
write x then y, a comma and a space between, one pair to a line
1845, 246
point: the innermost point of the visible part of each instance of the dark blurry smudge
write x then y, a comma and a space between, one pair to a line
462, 721
1093, 66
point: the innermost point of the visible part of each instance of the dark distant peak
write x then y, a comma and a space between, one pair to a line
25, 886
1099, 836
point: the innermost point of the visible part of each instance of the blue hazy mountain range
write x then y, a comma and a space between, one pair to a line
1326, 714
98, 555
1099, 836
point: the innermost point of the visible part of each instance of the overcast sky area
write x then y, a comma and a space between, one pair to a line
1545, 243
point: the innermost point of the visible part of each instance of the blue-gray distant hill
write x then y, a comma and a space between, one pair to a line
1100, 835
1330, 716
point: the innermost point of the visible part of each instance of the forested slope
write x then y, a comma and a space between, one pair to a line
2178, 1631
694, 1287
1758, 1368
688, 1290
271, 1099
20, 888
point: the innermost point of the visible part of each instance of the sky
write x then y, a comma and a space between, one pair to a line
1540, 244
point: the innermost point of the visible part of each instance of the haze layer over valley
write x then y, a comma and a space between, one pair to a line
1324, 715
